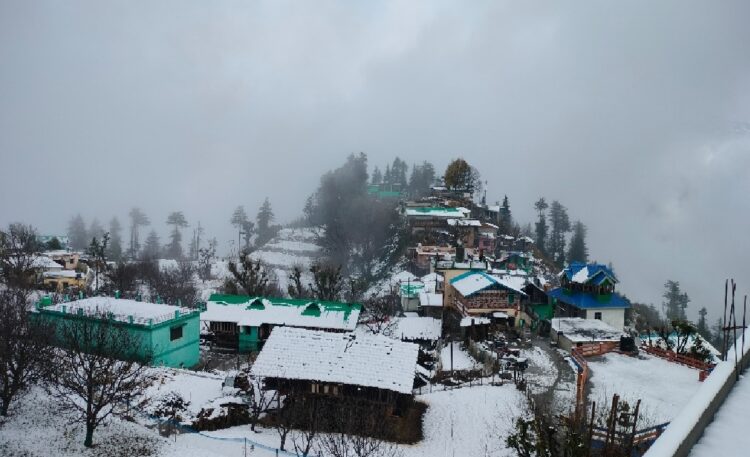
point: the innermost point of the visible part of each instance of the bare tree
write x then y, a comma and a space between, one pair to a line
296, 289
327, 282
250, 276
97, 372
18, 245
175, 286
258, 399
379, 311
304, 440
206, 256
24, 351
364, 428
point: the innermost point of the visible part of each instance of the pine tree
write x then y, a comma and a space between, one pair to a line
240, 222
115, 242
541, 226
702, 326
560, 225
77, 235
505, 219
377, 177
137, 219
578, 251
675, 302
177, 221
387, 178
263, 222
95, 230
151, 248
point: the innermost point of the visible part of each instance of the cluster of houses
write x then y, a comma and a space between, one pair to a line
60, 270
315, 346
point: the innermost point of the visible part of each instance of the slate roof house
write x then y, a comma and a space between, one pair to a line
588, 291
244, 322
373, 368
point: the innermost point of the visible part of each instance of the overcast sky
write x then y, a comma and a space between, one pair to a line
635, 115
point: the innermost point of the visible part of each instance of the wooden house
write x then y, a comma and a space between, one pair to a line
370, 368
477, 293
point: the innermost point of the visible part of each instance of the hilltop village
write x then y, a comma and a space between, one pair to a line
471, 337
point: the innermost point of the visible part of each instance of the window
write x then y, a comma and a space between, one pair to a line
511, 298
175, 333
598, 315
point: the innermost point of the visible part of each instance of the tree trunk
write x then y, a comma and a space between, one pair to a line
4, 407
89, 441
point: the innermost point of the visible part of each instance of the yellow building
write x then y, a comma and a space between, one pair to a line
62, 280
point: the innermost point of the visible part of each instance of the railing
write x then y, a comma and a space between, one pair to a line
678, 358
591, 349
582, 377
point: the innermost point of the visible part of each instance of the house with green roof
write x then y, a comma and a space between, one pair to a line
244, 322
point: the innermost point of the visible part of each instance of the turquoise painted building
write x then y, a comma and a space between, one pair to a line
167, 335
244, 323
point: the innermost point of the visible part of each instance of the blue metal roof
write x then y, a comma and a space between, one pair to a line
584, 300
596, 271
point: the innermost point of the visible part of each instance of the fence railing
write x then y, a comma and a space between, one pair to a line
678, 358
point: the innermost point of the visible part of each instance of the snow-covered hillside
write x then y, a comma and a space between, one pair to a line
290, 247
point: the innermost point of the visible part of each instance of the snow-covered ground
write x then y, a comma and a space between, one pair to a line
198, 388
458, 422
663, 387
461, 359
727, 434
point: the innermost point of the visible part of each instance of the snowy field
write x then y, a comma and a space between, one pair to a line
663, 387
461, 359
460, 422
727, 433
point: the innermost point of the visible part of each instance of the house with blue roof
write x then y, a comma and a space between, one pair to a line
587, 290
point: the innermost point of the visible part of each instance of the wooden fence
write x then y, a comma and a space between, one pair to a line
705, 368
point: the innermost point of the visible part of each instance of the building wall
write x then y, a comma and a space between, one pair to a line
613, 317
181, 352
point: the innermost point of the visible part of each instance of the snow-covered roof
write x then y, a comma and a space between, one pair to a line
464, 223
469, 321
403, 276
473, 281
430, 299
444, 213
580, 330
44, 262
255, 311
359, 360
120, 309
431, 281
499, 315
583, 273
417, 328
62, 274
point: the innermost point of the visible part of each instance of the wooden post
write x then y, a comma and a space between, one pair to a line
632, 433
591, 428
